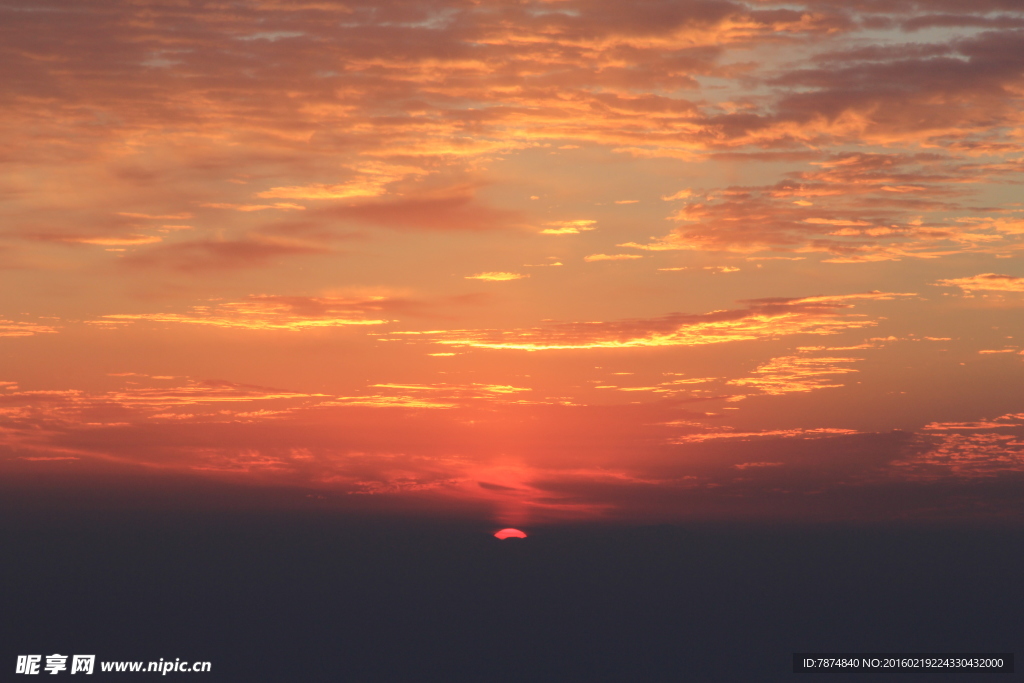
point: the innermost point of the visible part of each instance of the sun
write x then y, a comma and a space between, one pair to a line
510, 533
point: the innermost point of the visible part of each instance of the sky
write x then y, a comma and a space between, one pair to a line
524, 261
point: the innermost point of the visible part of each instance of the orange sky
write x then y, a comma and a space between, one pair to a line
535, 260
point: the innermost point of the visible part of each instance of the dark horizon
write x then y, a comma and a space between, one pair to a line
313, 595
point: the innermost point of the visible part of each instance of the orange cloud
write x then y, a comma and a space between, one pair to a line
568, 227
762, 319
166, 217
854, 219
497, 276
371, 180
611, 257
11, 328
264, 312
816, 433
963, 456
200, 392
322, 191
432, 396
257, 207
990, 282
796, 374
126, 240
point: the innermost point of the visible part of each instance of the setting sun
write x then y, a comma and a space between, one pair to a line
509, 533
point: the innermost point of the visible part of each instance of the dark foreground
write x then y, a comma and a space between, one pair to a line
329, 597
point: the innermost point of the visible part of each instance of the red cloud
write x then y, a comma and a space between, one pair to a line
524, 463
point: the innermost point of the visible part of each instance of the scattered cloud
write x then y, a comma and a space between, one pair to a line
12, 328
265, 312
121, 241
371, 180
816, 433
283, 206
796, 374
762, 319
855, 217
966, 451
569, 227
497, 276
611, 257
990, 282
165, 217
